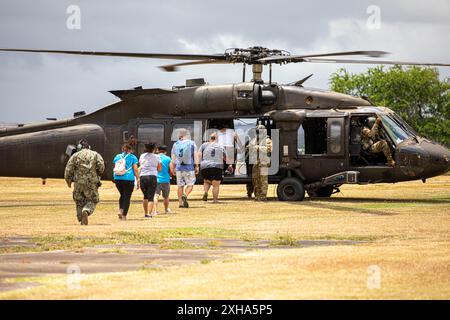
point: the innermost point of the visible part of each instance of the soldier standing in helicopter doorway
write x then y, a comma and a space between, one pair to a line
260, 149
84, 169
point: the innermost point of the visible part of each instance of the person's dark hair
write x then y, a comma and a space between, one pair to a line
162, 148
150, 147
83, 144
132, 141
127, 148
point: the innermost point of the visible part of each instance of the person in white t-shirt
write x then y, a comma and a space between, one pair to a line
149, 165
229, 140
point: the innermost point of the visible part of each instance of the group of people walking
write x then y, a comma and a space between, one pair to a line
152, 172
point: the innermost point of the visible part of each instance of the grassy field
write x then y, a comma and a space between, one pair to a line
403, 229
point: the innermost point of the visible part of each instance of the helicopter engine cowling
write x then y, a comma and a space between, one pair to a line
236, 98
240, 98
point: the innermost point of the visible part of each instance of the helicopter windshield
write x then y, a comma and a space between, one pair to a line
396, 130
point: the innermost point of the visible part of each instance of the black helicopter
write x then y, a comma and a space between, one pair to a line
318, 132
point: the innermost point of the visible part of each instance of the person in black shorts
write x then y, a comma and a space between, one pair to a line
212, 158
149, 165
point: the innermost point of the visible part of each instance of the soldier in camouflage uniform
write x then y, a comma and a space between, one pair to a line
84, 169
372, 143
260, 148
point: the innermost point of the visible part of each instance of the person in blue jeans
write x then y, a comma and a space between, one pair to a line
124, 180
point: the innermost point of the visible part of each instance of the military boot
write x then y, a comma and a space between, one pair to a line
84, 218
391, 163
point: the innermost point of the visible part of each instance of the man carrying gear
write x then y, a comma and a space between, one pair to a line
260, 149
371, 142
84, 169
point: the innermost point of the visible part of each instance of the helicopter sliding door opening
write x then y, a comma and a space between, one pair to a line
235, 134
320, 142
231, 134
312, 136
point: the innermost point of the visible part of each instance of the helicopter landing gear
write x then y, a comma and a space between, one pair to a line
291, 189
324, 192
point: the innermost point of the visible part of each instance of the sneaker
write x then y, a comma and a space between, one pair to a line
185, 202
168, 210
205, 196
84, 218
147, 216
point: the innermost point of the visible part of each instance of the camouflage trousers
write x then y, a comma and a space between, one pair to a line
260, 181
86, 198
382, 146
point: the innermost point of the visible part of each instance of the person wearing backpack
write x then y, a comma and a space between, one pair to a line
184, 155
84, 169
149, 166
125, 172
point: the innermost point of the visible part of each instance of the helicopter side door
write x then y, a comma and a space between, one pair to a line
321, 146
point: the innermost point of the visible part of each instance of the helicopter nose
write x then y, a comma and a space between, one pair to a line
438, 161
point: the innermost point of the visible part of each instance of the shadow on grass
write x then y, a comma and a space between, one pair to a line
307, 200
325, 205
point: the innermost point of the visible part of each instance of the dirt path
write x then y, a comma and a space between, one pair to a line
125, 257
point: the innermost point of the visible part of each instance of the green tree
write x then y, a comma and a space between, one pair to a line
415, 93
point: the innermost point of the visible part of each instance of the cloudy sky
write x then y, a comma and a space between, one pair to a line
36, 86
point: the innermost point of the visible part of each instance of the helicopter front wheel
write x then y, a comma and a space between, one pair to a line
291, 189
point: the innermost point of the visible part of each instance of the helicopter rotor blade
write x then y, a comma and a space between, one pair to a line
300, 58
126, 54
174, 67
390, 62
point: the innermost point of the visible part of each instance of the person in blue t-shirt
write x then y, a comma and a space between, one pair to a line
125, 182
184, 155
164, 175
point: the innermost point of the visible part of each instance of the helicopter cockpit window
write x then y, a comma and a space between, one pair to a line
150, 133
393, 129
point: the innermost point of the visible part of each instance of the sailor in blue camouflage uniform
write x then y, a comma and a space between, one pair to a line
84, 169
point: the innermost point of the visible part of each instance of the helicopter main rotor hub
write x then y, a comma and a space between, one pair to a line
251, 56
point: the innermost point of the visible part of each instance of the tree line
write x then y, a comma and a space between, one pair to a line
417, 94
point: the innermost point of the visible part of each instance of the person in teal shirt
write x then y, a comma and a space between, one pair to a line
164, 178
125, 182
